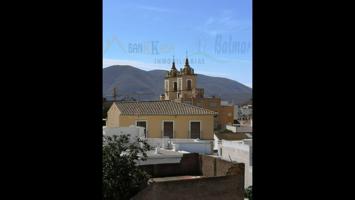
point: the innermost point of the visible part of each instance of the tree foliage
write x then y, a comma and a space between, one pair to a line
122, 178
248, 193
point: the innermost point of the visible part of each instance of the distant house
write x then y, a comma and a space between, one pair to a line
106, 105
163, 119
245, 112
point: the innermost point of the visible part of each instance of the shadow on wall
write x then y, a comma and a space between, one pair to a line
221, 179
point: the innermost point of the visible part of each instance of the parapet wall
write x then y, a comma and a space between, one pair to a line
211, 188
196, 165
221, 180
189, 165
212, 166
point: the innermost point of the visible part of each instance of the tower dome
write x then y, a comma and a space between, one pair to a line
187, 69
173, 71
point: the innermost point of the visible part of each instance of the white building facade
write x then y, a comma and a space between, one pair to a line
238, 151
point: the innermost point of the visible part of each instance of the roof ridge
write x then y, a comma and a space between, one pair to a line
166, 107
196, 106
144, 101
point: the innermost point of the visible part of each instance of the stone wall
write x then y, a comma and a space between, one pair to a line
241, 152
211, 188
222, 180
224, 168
208, 166
212, 166
189, 165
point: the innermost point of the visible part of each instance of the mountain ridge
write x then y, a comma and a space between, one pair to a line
148, 85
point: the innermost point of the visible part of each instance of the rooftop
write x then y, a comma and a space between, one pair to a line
162, 156
160, 108
232, 136
174, 178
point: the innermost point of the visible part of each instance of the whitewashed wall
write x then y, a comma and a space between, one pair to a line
133, 131
239, 151
231, 128
239, 129
190, 145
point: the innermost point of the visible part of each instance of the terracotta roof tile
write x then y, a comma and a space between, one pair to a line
161, 108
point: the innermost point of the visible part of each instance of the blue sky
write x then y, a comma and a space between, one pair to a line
216, 35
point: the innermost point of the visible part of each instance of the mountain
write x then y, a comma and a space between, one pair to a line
148, 85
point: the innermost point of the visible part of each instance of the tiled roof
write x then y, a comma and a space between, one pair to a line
161, 108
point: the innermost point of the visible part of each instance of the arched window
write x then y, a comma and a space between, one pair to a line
175, 86
188, 84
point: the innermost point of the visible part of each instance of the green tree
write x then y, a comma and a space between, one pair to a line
122, 178
248, 193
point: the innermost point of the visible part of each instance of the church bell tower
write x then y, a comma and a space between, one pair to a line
180, 84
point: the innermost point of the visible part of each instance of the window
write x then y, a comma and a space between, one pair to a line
175, 86
144, 125
213, 104
195, 129
168, 129
188, 84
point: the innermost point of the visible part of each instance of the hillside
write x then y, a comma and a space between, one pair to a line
148, 85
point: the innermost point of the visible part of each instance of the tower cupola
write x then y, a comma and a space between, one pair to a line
173, 71
187, 69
